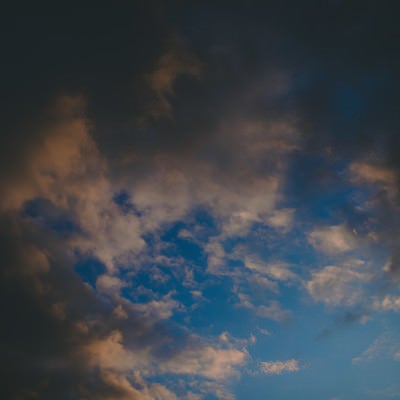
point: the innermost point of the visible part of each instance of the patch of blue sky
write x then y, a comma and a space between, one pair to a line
89, 269
218, 312
123, 201
45, 214
317, 174
326, 368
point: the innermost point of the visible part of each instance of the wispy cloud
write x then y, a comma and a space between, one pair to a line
385, 346
278, 367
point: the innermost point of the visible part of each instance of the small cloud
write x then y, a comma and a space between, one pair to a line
279, 271
371, 173
207, 361
119, 312
337, 285
332, 239
264, 332
388, 303
174, 62
282, 220
278, 367
160, 392
385, 346
157, 309
273, 311
110, 285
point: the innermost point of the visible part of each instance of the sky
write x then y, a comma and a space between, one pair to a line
200, 201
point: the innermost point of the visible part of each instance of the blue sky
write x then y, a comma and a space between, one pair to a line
201, 203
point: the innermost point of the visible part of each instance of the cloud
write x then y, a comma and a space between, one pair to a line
210, 362
174, 62
282, 219
161, 309
196, 359
364, 172
387, 303
67, 169
272, 311
338, 285
333, 239
109, 284
278, 367
279, 271
385, 346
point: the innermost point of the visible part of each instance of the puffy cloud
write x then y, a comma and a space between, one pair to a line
109, 284
207, 361
159, 309
278, 367
196, 359
333, 239
67, 169
338, 285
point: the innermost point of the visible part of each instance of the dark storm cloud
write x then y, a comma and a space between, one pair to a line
96, 52
336, 54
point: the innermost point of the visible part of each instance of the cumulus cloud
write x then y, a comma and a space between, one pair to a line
338, 285
67, 169
195, 359
333, 239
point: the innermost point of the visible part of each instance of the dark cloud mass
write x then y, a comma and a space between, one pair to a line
245, 113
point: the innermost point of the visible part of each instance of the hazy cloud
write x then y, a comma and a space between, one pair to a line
278, 367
